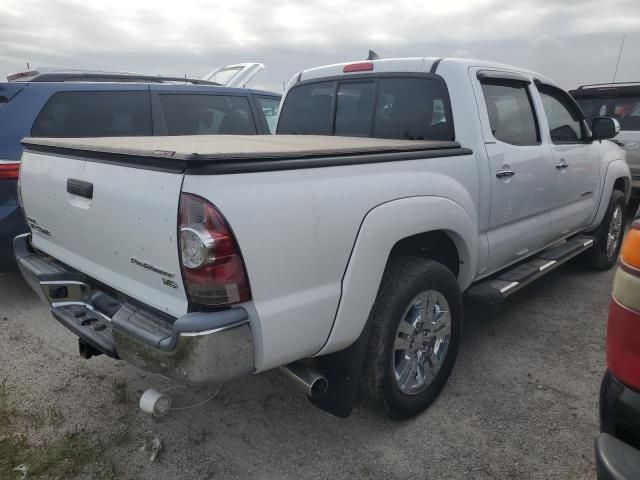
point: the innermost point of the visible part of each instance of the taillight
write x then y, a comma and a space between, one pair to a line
212, 266
623, 329
358, 67
623, 344
9, 170
630, 252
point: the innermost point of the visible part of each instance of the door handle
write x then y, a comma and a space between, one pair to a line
562, 165
505, 173
80, 188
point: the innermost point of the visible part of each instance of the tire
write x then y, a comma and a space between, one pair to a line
603, 255
406, 280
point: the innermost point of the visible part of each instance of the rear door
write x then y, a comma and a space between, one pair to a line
521, 167
203, 111
576, 162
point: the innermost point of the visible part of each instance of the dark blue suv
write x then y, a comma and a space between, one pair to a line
113, 105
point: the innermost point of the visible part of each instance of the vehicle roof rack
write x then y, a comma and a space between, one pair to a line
608, 84
35, 76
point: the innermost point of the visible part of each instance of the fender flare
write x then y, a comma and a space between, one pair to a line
615, 170
381, 229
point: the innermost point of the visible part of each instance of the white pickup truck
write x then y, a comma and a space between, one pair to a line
341, 259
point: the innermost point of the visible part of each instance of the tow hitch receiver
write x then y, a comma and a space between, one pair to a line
86, 350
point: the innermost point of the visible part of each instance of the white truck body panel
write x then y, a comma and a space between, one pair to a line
297, 237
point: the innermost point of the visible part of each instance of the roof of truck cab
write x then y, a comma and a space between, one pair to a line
411, 64
235, 147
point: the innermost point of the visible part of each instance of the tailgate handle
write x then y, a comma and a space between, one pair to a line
80, 188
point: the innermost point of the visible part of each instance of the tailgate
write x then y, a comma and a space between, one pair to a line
117, 224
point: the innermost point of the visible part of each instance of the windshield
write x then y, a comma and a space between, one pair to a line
624, 109
399, 108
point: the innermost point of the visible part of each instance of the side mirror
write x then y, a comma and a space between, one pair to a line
604, 128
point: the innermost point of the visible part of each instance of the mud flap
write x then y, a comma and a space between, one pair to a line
343, 370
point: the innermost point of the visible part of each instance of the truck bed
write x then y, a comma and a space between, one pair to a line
222, 154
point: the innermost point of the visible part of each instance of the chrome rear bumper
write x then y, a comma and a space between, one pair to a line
197, 348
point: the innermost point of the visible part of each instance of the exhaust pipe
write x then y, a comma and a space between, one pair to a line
308, 380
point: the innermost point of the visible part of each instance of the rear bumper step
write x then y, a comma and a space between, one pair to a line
507, 282
196, 349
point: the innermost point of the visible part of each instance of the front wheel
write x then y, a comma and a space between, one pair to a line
416, 325
609, 234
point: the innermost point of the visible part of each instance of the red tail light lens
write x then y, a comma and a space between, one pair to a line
623, 344
212, 266
358, 67
9, 170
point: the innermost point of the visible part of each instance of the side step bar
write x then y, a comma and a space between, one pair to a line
509, 281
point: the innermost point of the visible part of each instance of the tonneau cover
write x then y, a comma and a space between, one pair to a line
236, 147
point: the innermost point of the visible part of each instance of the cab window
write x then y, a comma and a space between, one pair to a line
565, 124
387, 107
510, 110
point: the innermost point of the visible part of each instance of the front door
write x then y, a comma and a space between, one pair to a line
576, 163
522, 173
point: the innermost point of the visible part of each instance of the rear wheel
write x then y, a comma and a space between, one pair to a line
415, 333
609, 234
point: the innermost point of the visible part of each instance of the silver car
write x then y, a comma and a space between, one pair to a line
622, 102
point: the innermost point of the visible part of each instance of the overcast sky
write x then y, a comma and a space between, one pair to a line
571, 41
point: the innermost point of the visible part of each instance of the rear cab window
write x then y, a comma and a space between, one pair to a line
201, 114
397, 107
95, 114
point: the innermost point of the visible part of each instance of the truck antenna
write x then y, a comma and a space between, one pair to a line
615, 73
28, 68
373, 55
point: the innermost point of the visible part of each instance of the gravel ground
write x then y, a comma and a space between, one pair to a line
521, 403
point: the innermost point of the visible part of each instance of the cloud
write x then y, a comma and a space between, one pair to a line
193, 37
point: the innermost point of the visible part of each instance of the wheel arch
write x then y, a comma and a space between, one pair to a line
433, 227
435, 245
617, 177
624, 185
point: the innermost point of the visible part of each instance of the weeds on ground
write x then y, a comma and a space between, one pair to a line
76, 451
50, 416
6, 409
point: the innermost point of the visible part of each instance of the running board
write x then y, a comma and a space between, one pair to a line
503, 284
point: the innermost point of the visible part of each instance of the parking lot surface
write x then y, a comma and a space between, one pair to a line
521, 403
